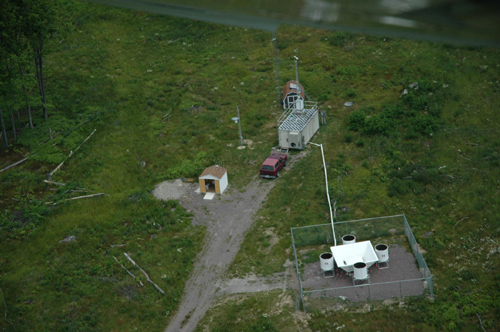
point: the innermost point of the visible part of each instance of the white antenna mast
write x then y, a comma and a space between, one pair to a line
297, 73
299, 103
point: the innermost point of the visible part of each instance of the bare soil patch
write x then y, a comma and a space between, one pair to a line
227, 218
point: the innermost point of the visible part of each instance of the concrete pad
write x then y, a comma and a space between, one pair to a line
209, 196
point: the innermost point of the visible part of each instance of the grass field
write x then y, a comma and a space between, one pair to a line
163, 90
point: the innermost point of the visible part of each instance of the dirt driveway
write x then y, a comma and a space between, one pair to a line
227, 219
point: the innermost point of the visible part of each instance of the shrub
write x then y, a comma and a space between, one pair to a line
379, 124
340, 38
423, 124
348, 137
360, 143
357, 120
349, 93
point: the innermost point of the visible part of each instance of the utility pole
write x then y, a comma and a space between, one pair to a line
238, 121
297, 73
276, 65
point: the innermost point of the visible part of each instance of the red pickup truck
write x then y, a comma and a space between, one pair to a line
272, 166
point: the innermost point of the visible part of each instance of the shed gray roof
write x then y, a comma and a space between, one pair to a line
298, 120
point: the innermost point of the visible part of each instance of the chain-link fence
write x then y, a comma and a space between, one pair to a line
319, 291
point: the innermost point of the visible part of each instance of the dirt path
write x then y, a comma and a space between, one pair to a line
227, 219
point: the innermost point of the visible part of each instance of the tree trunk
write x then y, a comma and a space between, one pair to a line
27, 98
13, 123
4, 133
44, 101
39, 76
15, 103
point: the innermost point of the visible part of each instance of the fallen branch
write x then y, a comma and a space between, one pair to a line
86, 196
130, 273
15, 164
79, 197
116, 245
461, 220
68, 239
56, 183
147, 276
465, 158
481, 322
92, 133
70, 154
5, 305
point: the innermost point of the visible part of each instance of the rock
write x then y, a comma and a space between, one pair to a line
427, 234
288, 263
348, 104
345, 209
143, 163
413, 85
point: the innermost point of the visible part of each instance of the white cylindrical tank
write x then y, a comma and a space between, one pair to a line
382, 251
326, 261
360, 271
348, 239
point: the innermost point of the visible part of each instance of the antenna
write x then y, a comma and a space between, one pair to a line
276, 64
297, 73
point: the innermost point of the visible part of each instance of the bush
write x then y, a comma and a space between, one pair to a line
357, 120
348, 137
423, 125
360, 143
349, 93
379, 125
340, 38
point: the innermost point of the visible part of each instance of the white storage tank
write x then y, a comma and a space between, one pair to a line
382, 251
326, 261
348, 239
360, 271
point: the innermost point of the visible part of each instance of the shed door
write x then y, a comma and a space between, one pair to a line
294, 139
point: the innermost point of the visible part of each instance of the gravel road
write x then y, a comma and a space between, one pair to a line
227, 220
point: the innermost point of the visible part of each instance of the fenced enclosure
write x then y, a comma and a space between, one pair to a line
407, 274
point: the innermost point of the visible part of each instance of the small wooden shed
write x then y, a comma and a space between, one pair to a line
213, 179
291, 96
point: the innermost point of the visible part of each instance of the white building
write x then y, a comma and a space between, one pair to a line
298, 126
213, 179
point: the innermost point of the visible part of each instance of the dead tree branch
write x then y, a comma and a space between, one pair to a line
56, 183
79, 197
147, 276
15, 164
70, 154
130, 273
481, 322
5, 305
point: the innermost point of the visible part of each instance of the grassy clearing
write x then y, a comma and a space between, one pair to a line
154, 89
385, 156
163, 90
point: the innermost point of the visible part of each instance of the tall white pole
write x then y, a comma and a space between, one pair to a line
239, 125
297, 73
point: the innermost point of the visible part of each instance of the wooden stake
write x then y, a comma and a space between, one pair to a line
147, 277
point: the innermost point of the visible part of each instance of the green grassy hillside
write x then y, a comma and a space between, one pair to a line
163, 90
